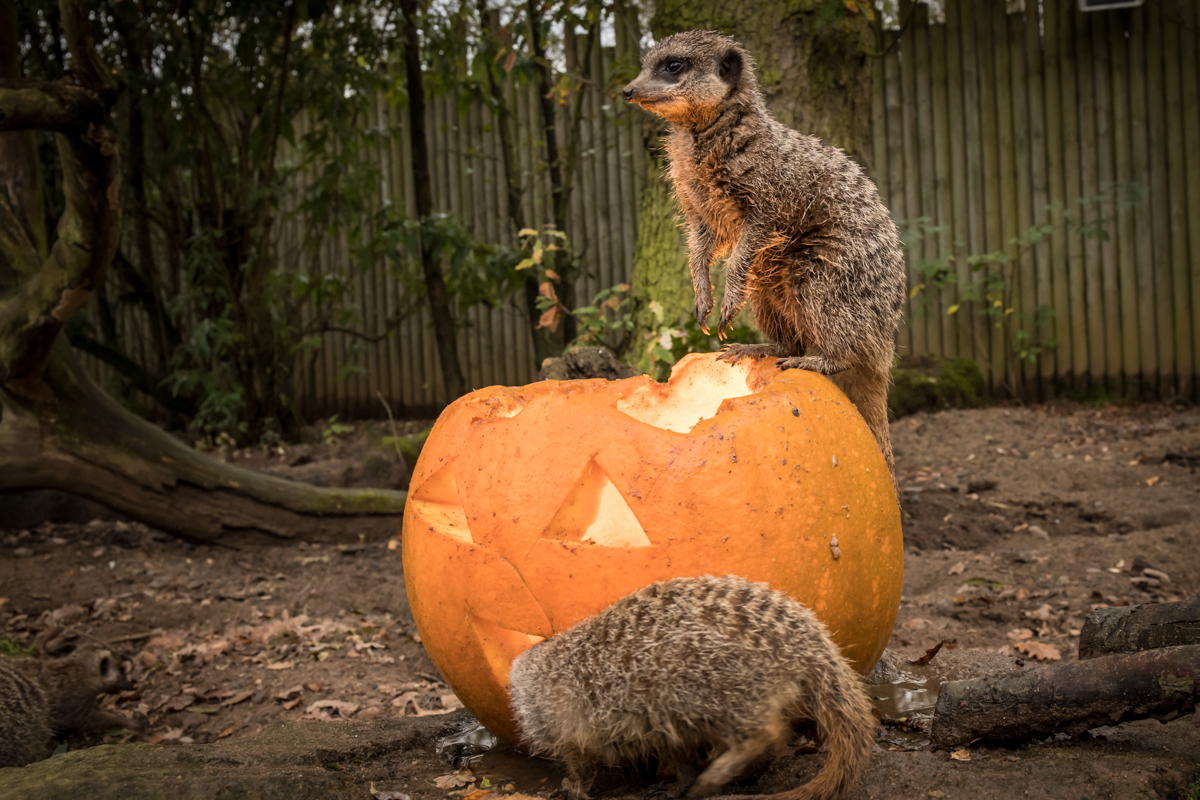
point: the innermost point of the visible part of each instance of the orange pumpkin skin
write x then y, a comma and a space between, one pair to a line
534, 507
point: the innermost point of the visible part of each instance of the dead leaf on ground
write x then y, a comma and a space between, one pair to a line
1152, 481
915, 623
478, 794
290, 692
929, 654
179, 703
1043, 613
380, 794
957, 568
281, 665
166, 736
290, 704
240, 697
1039, 650
463, 777
961, 755
344, 709
225, 733
450, 702
1020, 634
170, 641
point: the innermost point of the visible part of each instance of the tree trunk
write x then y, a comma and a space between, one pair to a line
816, 77
435, 283
57, 429
1127, 629
85, 443
23, 242
543, 347
1069, 698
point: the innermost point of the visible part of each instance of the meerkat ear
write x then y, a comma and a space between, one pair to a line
731, 67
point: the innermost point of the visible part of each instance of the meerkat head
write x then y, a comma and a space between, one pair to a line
103, 670
690, 77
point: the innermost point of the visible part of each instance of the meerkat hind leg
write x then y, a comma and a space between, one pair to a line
818, 364
733, 353
581, 771
733, 761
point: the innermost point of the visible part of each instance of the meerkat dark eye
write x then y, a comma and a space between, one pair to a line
104, 666
674, 66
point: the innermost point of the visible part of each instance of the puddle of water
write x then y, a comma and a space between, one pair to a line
910, 697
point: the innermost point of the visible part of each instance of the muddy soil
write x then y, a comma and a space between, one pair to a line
1017, 522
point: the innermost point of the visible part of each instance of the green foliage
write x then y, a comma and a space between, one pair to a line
995, 277
604, 321
609, 321
11, 647
239, 117
923, 383
333, 429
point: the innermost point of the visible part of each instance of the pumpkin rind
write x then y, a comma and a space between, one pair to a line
770, 487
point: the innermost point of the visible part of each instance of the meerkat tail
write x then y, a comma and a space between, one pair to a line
867, 389
847, 725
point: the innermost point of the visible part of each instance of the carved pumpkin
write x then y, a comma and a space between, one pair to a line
534, 507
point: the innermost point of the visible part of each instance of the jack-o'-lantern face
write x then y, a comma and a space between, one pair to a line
534, 507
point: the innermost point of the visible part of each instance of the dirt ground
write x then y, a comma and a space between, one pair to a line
1017, 522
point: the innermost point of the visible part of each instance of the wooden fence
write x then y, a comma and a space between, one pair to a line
495, 346
982, 124
986, 123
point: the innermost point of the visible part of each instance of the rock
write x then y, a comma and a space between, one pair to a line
585, 362
300, 761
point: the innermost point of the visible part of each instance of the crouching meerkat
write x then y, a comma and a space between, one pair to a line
809, 241
44, 698
686, 666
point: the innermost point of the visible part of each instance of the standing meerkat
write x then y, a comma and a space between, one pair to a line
44, 698
691, 664
809, 240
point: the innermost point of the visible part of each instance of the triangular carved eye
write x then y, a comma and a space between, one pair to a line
438, 503
500, 645
594, 511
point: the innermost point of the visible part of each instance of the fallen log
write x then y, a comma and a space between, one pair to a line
1128, 629
1162, 684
